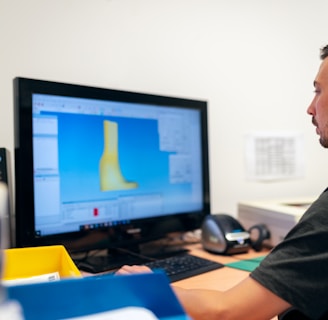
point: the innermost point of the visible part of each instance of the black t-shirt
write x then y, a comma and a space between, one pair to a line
297, 268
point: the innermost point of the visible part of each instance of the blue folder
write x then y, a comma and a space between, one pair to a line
85, 296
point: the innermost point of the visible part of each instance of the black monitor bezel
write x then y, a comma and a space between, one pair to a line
124, 235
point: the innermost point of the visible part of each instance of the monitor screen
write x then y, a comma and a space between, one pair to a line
102, 168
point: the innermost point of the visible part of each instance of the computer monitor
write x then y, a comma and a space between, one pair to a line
100, 168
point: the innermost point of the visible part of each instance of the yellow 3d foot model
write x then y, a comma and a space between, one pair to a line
111, 177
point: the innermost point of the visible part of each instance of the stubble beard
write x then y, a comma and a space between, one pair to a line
324, 138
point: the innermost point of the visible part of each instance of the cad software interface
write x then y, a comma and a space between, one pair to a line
100, 163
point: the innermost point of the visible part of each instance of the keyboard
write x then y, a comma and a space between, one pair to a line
177, 267
183, 266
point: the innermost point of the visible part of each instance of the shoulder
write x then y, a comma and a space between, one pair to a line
317, 213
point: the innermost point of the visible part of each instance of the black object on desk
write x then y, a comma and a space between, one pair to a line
3, 165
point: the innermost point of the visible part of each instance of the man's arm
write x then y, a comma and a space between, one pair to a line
247, 300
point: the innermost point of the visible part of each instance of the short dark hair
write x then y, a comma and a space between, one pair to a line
324, 52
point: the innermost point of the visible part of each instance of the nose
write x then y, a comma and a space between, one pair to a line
310, 109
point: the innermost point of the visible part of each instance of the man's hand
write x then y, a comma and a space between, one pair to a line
132, 270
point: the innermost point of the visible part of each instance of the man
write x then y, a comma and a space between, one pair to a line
292, 281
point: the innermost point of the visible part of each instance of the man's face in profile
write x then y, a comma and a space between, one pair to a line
319, 105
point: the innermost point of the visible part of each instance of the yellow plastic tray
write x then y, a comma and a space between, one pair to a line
34, 261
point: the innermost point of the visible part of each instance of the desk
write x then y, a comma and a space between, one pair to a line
220, 279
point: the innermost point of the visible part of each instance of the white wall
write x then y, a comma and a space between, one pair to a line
254, 61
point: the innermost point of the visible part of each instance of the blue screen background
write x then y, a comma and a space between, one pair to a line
81, 144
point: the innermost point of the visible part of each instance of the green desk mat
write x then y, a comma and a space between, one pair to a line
246, 265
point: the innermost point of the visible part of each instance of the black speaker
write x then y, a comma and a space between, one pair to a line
5, 178
3, 165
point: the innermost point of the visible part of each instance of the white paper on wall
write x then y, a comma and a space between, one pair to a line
274, 156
